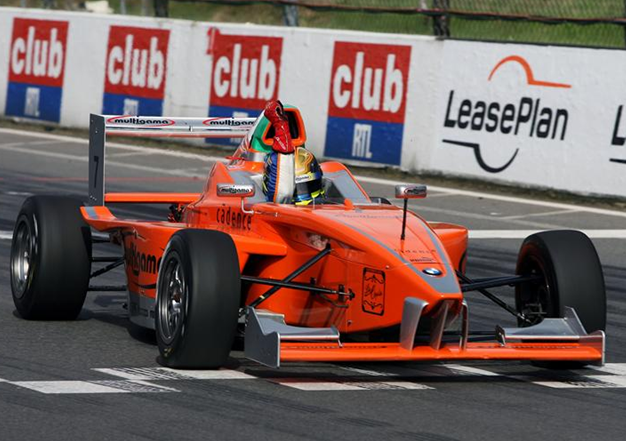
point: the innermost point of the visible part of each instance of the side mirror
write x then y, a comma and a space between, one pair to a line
406, 192
235, 190
411, 191
242, 191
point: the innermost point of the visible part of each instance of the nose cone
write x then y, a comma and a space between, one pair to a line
384, 226
421, 252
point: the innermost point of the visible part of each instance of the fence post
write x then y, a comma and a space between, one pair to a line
624, 26
161, 8
123, 7
441, 25
145, 5
290, 15
48, 4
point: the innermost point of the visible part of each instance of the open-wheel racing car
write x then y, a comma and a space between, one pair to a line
347, 278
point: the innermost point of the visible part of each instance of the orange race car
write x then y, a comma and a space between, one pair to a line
349, 277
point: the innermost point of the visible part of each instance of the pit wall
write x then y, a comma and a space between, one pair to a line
523, 114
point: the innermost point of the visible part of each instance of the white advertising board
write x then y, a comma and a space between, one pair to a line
542, 116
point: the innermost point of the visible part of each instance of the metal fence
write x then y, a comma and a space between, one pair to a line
597, 23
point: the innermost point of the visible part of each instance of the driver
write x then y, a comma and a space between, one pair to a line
290, 175
308, 178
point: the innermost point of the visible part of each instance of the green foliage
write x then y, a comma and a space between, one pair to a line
601, 35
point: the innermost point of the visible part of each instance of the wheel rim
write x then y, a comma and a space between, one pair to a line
23, 253
536, 300
172, 298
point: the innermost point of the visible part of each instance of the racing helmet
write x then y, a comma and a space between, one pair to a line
308, 178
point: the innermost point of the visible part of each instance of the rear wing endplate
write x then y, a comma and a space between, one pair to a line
101, 126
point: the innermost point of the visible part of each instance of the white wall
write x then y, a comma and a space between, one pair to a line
584, 87
584, 84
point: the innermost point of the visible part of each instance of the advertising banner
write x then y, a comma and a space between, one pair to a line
543, 116
136, 71
245, 74
367, 102
36, 68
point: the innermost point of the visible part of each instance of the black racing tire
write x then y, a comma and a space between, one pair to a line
198, 292
50, 259
571, 276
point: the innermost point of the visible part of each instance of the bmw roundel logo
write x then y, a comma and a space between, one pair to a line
431, 271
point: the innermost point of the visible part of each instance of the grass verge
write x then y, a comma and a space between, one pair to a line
600, 35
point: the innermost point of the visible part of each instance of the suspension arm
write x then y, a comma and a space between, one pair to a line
293, 285
467, 281
495, 282
107, 268
308, 264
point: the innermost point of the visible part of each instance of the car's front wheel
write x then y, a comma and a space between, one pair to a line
198, 291
569, 273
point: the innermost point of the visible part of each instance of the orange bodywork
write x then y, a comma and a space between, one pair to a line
368, 259
274, 240
473, 351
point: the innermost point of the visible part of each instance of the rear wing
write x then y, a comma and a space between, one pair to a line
101, 126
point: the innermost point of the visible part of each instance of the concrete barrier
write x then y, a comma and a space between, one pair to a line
526, 114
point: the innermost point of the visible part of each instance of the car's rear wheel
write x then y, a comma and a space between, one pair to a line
570, 276
50, 259
198, 292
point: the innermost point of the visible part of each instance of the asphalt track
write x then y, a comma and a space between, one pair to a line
97, 378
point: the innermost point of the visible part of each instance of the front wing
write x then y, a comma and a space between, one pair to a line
269, 341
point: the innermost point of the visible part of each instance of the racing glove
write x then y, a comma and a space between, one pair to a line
279, 171
275, 113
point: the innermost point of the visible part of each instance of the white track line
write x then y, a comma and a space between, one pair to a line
370, 372
151, 374
312, 384
522, 234
92, 387
472, 370
315, 386
612, 368
17, 193
580, 380
305, 384
496, 197
114, 145
588, 378
586, 382
385, 377
129, 154
400, 371
453, 191
6, 235
67, 387
83, 158
467, 215
543, 213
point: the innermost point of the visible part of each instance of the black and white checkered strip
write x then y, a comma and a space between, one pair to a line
362, 377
